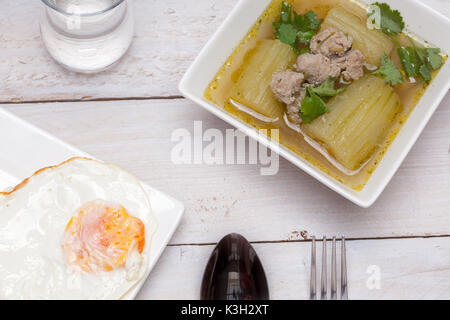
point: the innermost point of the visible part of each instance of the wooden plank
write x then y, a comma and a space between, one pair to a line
221, 199
408, 269
169, 35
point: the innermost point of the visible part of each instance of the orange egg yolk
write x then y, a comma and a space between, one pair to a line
100, 235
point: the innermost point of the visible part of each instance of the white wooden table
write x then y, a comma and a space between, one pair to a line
126, 115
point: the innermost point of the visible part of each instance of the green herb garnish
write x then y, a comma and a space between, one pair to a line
306, 22
286, 13
326, 89
420, 61
287, 34
312, 106
391, 21
305, 37
409, 60
389, 71
416, 62
435, 60
305, 50
425, 73
430, 57
292, 27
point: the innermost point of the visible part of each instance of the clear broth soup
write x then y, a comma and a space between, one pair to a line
219, 89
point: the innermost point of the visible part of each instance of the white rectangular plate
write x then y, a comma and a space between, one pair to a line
421, 20
26, 149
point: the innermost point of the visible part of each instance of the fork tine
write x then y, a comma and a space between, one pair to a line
333, 271
344, 291
312, 295
323, 287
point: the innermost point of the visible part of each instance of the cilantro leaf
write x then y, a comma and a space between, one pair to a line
434, 59
326, 89
287, 34
311, 21
425, 73
429, 58
420, 61
286, 12
391, 21
298, 21
293, 28
389, 71
307, 22
421, 53
305, 37
415, 61
284, 29
285, 17
312, 106
410, 61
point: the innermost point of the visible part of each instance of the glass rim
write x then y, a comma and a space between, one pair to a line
51, 5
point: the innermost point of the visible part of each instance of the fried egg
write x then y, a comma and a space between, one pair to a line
79, 230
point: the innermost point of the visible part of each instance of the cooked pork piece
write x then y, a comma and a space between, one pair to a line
287, 85
332, 55
336, 46
316, 67
331, 42
293, 110
351, 64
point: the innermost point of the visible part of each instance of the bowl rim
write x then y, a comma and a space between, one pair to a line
378, 182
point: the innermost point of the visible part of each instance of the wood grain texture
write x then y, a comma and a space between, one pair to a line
409, 269
230, 198
235, 198
169, 35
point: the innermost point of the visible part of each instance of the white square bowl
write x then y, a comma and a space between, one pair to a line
421, 21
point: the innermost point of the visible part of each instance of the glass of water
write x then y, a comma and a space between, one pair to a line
87, 35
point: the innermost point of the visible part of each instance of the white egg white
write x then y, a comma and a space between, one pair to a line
33, 218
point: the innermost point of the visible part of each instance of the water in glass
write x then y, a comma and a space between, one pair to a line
87, 35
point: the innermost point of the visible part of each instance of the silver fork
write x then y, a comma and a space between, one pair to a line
323, 286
